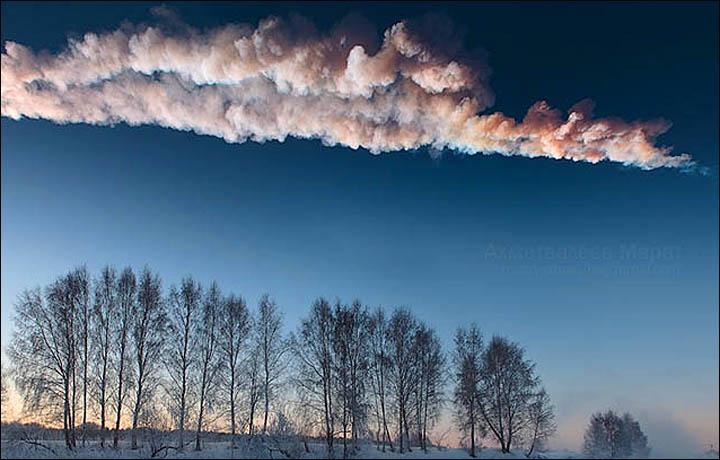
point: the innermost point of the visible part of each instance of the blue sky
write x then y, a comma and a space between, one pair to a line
606, 274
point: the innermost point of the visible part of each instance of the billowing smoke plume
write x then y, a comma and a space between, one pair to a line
282, 78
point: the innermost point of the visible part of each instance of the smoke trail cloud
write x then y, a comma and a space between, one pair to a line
415, 88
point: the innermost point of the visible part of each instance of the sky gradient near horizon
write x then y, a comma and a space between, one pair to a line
606, 274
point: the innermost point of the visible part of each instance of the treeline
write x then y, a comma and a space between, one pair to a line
121, 351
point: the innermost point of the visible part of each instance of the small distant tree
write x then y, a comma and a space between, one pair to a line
634, 440
282, 426
612, 436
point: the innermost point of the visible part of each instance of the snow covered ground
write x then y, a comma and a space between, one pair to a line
55, 449
371, 452
222, 450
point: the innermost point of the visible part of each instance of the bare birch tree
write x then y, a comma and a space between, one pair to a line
359, 370
508, 382
540, 421
126, 298
272, 348
233, 334
467, 363
379, 369
183, 317
430, 374
313, 350
47, 348
253, 367
349, 347
207, 362
401, 330
42, 355
147, 333
101, 336
79, 287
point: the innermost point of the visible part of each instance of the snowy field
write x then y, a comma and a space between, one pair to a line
11, 449
222, 450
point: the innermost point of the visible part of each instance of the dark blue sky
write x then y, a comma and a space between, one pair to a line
607, 274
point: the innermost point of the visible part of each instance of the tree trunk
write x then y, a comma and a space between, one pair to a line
200, 418
120, 394
472, 436
181, 433
328, 416
345, 429
267, 403
266, 388
254, 398
532, 447
66, 413
73, 408
136, 412
387, 429
85, 379
400, 427
425, 418
102, 421
102, 404
418, 418
133, 436
232, 404
473, 422
202, 408
510, 430
183, 391
252, 415
407, 432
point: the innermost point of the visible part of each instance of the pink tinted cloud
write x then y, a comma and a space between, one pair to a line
282, 78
